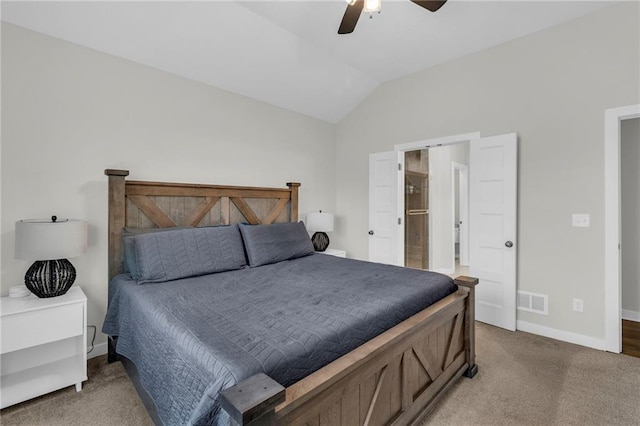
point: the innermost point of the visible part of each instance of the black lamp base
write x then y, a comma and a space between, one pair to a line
50, 278
320, 241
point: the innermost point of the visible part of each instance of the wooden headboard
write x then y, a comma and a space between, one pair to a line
140, 204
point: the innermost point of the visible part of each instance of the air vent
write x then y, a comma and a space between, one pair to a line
533, 302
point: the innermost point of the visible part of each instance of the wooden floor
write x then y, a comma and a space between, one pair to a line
631, 338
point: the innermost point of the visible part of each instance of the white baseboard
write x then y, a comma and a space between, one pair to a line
445, 271
99, 349
630, 315
565, 336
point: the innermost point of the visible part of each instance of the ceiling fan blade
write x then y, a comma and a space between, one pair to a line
432, 5
350, 18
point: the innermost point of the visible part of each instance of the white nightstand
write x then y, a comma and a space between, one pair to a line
334, 252
43, 345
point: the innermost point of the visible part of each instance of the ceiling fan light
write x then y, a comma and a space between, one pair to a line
371, 6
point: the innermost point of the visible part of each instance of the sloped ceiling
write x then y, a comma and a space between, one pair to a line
288, 53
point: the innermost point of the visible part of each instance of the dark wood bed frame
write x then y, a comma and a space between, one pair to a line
392, 379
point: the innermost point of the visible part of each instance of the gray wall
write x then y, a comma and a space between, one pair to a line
630, 192
69, 112
551, 88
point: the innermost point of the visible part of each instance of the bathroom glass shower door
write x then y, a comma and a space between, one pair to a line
416, 209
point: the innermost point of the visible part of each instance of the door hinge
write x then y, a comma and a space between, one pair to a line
399, 167
399, 221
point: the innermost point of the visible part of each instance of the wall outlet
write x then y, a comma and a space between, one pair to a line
578, 305
580, 220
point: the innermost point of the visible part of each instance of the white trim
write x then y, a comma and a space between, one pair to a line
400, 209
565, 336
99, 349
430, 143
630, 315
430, 203
612, 297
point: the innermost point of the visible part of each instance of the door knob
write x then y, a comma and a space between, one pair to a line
508, 244
371, 232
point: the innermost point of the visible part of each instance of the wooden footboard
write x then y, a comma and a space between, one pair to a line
392, 379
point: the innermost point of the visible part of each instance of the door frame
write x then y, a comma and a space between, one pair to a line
413, 146
612, 262
463, 200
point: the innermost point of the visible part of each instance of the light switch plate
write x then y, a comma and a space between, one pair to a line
580, 220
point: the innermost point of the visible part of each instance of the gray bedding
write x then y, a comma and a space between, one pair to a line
193, 337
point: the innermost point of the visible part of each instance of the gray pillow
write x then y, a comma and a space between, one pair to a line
166, 256
130, 262
274, 243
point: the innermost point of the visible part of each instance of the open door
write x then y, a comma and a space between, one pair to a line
384, 222
492, 237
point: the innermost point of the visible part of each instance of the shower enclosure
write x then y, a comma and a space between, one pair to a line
416, 209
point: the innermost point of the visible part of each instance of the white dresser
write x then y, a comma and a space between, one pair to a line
43, 345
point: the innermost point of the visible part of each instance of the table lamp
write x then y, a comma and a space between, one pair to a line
320, 223
50, 243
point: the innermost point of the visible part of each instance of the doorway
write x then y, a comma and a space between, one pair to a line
630, 235
612, 256
432, 206
460, 195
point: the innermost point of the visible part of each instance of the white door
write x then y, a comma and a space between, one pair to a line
383, 208
492, 239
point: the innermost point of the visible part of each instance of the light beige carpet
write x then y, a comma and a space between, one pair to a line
107, 398
522, 380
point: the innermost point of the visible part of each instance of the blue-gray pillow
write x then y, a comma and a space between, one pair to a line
130, 262
171, 255
274, 243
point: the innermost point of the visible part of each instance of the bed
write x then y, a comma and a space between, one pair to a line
194, 341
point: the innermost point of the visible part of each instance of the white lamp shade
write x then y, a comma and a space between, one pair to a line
42, 239
320, 222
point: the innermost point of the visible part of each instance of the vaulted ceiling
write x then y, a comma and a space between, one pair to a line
288, 53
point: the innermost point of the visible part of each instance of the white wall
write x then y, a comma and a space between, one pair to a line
551, 88
441, 203
69, 112
630, 212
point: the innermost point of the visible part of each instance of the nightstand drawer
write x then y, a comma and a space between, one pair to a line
26, 329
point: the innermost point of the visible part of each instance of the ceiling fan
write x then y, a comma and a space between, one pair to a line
355, 8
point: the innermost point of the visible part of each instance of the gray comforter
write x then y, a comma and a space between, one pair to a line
193, 337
